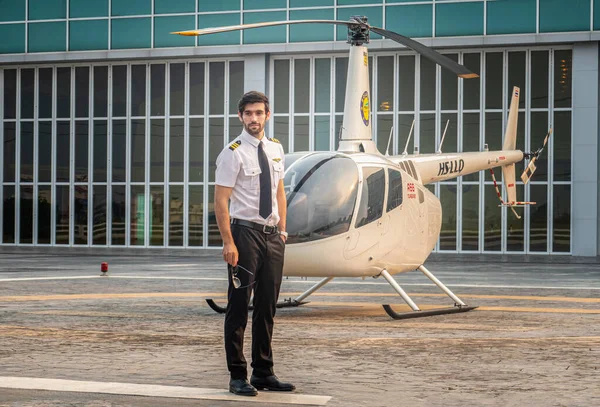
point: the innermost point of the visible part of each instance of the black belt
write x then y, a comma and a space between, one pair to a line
256, 226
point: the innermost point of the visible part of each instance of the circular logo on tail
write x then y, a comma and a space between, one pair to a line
364, 108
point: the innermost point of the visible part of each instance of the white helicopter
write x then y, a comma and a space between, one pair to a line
358, 213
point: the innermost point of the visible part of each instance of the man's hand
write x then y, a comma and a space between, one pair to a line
230, 253
283, 238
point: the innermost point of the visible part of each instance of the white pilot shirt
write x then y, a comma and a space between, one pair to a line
238, 168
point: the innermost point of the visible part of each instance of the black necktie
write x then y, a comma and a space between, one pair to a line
265, 206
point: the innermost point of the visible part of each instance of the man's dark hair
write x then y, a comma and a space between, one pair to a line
253, 97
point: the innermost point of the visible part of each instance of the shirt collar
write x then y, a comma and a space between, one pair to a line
245, 136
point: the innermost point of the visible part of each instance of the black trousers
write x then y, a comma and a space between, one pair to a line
262, 255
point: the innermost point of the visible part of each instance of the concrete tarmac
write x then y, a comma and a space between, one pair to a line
534, 340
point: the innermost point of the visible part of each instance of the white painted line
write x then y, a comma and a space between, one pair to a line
47, 278
151, 390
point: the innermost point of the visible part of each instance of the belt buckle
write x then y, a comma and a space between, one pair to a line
268, 229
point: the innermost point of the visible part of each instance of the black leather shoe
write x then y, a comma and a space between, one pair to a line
271, 383
241, 387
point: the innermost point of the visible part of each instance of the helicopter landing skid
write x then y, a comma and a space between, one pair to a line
459, 305
282, 304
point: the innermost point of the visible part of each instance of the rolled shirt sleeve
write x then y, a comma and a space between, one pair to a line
228, 168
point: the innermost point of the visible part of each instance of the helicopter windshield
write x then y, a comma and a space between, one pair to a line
321, 193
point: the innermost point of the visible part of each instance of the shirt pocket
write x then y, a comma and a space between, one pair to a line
250, 179
277, 173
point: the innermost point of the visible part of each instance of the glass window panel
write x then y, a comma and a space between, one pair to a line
8, 214
138, 90
219, 20
235, 128
157, 90
395, 190
63, 92
539, 129
312, 32
13, 38
236, 85
137, 215
63, 201
130, 33
281, 128
119, 150
176, 138
472, 87
119, 91
80, 214
516, 75
538, 226
47, 37
44, 228
13, 10
411, 21
26, 215
563, 80
157, 150
371, 201
385, 83
264, 4
374, 14
131, 7
539, 79
26, 152
164, 26
428, 69
596, 8
196, 153
301, 85
118, 214
511, 17
174, 6
82, 91
449, 87
322, 85
556, 17
176, 89
138, 150
469, 14
86, 8
561, 219
338, 125
81, 151
492, 234
216, 135
405, 122
197, 88
195, 215
322, 133
44, 158
341, 74
450, 141
470, 217
471, 139
99, 221
176, 215
493, 138
301, 133
217, 87
222, 5
268, 34
47, 9
88, 35
100, 91
515, 228
214, 237
427, 134
448, 199
27, 93
10, 93
520, 166
344, 2
282, 86
156, 215
100, 150
562, 146
493, 83
384, 125
45, 93
63, 151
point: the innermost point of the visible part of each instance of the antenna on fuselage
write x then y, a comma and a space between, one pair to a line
405, 152
387, 150
443, 137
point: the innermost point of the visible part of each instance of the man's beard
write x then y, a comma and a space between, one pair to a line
256, 131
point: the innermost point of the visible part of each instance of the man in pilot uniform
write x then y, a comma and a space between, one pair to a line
250, 174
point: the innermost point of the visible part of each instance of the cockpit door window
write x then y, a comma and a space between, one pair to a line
373, 194
394, 190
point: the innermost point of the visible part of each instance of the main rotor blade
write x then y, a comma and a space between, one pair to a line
427, 52
260, 25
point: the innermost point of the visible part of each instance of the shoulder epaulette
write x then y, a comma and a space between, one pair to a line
274, 140
235, 145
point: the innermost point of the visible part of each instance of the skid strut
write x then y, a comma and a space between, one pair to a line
288, 302
459, 305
